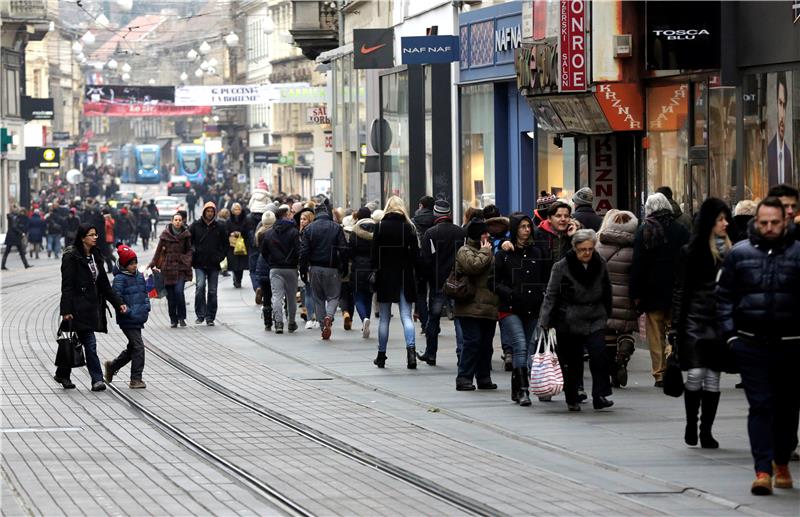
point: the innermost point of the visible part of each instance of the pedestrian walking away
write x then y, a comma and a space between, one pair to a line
394, 257
209, 248
173, 260
84, 291
360, 253
280, 247
264, 290
15, 236
236, 228
758, 300
130, 286
577, 304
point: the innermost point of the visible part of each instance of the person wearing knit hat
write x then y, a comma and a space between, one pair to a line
441, 208
476, 227
129, 284
584, 213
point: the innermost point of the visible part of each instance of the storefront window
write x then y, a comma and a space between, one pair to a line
477, 146
668, 137
722, 145
556, 164
428, 79
394, 108
771, 125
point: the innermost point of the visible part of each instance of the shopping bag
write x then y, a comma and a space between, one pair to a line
158, 285
240, 248
546, 377
673, 377
70, 350
150, 285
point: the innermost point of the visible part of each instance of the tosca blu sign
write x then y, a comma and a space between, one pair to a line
234, 95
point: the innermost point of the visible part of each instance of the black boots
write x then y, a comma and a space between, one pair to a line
267, 313
411, 358
380, 361
508, 361
709, 403
625, 349
519, 386
691, 401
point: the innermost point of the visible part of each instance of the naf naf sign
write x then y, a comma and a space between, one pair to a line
424, 50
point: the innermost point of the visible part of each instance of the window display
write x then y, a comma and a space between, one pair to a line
477, 146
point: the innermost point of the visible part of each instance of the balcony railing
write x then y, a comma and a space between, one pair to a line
315, 27
23, 10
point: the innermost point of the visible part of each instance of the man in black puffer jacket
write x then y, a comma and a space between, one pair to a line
758, 305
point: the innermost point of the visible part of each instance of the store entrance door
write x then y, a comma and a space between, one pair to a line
698, 178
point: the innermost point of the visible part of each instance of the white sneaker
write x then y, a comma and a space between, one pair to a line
309, 324
316, 325
365, 329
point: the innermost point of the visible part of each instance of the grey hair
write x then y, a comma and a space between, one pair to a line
656, 202
583, 236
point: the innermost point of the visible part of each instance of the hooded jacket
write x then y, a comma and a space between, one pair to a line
360, 246
498, 230
519, 275
132, 288
438, 249
476, 263
616, 247
209, 241
423, 220
587, 216
281, 245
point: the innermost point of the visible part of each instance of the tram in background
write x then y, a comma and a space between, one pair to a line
192, 162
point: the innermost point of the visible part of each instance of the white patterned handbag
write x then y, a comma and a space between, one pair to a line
546, 377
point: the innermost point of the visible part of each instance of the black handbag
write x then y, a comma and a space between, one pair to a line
673, 376
70, 350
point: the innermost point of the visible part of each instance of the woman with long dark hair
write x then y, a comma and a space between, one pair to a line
84, 291
696, 336
173, 259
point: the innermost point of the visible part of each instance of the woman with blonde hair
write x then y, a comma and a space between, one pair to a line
394, 255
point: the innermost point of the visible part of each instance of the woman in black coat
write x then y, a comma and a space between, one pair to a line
394, 254
360, 245
84, 291
696, 336
237, 227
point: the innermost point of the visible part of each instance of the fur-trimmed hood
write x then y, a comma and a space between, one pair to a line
497, 225
365, 228
619, 234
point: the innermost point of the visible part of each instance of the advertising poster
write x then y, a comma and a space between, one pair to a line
135, 101
781, 144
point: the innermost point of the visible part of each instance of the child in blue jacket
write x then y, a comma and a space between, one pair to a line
130, 285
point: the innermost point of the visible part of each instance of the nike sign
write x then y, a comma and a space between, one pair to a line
366, 50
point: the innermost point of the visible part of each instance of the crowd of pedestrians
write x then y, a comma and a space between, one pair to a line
703, 299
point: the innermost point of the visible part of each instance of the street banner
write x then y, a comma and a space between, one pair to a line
424, 50
573, 45
223, 95
373, 48
135, 101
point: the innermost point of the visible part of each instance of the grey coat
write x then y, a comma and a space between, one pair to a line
578, 299
616, 248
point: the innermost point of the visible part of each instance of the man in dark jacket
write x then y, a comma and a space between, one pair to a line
280, 247
758, 303
423, 220
656, 247
438, 249
677, 214
55, 230
323, 250
15, 237
584, 213
209, 245
788, 196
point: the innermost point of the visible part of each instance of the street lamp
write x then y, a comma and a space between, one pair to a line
126, 77
191, 55
101, 20
204, 66
204, 48
151, 81
126, 68
232, 39
77, 47
198, 73
112, 64
88, 38
184, 76
269, 25
125, 5
213, 62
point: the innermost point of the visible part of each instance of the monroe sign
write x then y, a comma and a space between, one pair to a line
572, 30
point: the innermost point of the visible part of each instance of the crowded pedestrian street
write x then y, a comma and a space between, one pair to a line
399, 257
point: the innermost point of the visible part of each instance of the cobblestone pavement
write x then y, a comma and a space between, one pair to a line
518, 461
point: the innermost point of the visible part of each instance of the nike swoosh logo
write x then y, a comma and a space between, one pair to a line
366, 50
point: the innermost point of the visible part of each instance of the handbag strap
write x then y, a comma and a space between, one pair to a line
551, 340
61, 330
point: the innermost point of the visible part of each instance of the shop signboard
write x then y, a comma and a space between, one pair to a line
37, 109
61, 135
373, 48
667, 107
537, 68
622, 104
603, 172
318, 115
572, 39
683, 36
44, 157
424, 50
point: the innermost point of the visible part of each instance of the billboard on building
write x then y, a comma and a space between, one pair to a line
683, 35
135, 101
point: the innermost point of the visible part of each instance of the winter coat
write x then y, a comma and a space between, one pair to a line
653, 271
124, 226
498, 230
586, 215
251, 223
558, 244
108, 225
578, 299
360, 246
259, 200
679, 216
519, 275
438, 250
15, 232
423, 221
132, 288
82, 295
56, 225
758, 291
616, 247
739, 231
173, 256
191, 200
36, 229
144, 226
233, 225
394, 256
209, 242
322, 244
71, 229
477, 264
281, 245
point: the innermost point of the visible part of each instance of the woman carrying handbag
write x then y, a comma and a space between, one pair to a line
84, 291
173, 259
695, 331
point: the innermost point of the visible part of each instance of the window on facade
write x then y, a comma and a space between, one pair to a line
668, 136
394, 109
722, 144
555, 164
10, 83
477, 146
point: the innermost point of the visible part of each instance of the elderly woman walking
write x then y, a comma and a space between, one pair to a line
173, 259
236, 227
577, 304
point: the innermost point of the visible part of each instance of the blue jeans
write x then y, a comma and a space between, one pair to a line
308, 301
476, 356
435, 306
54, 244
87, 338
176, 301
520, 334
206, 309
252, 267
385, 310
363, 300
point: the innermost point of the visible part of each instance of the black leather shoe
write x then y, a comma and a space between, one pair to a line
380, 361
487, 385
602, 403
574, 407
465, 386
65, 382
411, 358
427, 359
